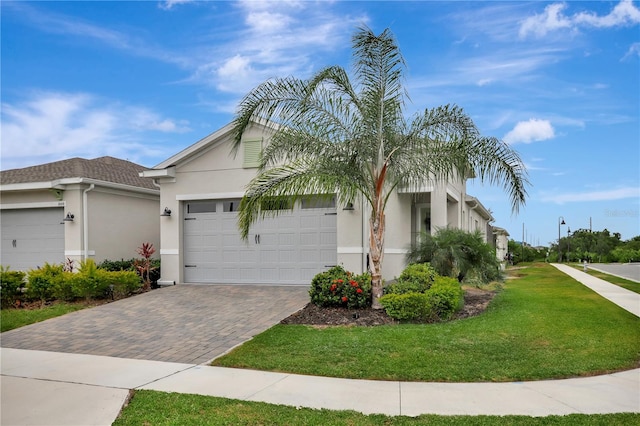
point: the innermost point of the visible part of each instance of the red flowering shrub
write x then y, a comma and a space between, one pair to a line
337, 287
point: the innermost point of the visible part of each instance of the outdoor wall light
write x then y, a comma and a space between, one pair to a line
166, 212
349, 206
68, 218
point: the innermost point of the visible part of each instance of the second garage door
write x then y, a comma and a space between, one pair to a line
288, 249
31, 237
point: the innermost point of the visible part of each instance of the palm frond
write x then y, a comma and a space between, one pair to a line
495, 161
292, 181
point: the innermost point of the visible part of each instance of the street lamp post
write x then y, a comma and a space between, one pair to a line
560, 222
568, 243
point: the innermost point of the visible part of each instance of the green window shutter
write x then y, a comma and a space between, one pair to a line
252, 153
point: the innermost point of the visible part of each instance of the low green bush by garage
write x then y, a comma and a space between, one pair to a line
542, 325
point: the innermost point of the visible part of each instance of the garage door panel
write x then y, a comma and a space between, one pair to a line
286, 249
31, 237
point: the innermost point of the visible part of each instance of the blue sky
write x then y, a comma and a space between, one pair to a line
559, 81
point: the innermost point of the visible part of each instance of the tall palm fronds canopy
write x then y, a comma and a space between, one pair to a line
347, 135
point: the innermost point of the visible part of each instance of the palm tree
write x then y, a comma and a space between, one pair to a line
457, 253
350, 138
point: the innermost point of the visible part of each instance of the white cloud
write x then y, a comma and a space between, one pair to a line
634, 50
607, 195
276, 40
530, 131
624, 13
236, 69
552, 19
267, 22
169, 4
49, 126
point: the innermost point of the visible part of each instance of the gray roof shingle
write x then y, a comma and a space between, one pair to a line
107, 169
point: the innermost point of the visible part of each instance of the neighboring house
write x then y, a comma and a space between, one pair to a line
76, 209
501, 238
200, 243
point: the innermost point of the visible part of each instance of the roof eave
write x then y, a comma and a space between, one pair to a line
63, 183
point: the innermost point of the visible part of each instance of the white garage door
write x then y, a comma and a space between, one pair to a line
31, 237
289, 249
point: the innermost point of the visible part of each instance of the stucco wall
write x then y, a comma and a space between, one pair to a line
120, 222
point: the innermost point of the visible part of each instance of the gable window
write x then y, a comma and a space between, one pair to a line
252, 153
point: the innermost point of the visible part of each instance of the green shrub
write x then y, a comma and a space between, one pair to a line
90, 282
124, 283
446, 297
416, 278
337, 287
11, 285
420, 273
457, 253
438, 303
117, 265
62, 289
406, 306
42, 281
129, 265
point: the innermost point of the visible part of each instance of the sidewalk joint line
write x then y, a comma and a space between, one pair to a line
167, 376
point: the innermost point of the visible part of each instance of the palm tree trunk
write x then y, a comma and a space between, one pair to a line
376, 253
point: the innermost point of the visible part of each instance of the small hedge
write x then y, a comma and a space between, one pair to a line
11, 285
129, 265
439, 303
52, 282
339, 288
416, 278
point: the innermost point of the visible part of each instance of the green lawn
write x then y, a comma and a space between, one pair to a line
14, 318
158, 408
542, 325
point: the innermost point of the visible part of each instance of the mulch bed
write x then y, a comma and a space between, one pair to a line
475, 302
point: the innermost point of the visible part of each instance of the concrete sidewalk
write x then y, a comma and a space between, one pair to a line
626, 299
73, 389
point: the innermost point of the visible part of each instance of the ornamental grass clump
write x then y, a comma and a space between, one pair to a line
339, 288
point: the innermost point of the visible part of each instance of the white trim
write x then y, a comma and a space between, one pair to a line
42, 205
169, 251
61, 183
395, 251
168, 172
350, 250
209, 196
28, 186
453, 195
193, 149
417, 189
78, 253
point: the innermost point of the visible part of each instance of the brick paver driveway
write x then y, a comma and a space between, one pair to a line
183, 323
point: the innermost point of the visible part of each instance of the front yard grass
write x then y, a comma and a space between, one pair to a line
14, 317
542, 325
159, 408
